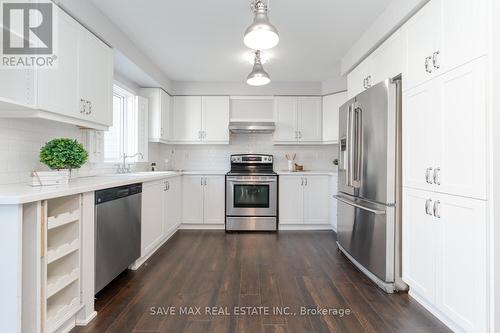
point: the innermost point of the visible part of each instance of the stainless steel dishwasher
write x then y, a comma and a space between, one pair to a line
117, 231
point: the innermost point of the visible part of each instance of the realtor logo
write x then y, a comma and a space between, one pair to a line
27, 34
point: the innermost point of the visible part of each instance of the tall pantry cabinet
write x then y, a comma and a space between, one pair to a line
445, 162
445, 137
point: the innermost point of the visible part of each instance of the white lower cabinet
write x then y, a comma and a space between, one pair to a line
444, 256
161, 211
172, 204
203, 199
152, 225
304, 199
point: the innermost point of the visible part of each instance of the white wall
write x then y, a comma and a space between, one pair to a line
216, 157
495, 164
398, 12
241, 88
21, 140
91, 17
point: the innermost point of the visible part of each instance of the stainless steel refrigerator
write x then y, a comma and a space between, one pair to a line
369, 183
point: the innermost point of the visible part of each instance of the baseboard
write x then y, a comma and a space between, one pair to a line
435, 312
319, 227
87, 320
138, 263
185, 226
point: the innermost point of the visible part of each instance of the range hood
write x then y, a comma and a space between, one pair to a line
252, 127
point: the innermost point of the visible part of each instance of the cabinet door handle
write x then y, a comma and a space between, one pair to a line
88, 107
300, 135
428, 203
305, 181
82, 105
435, 60
428, 178
302, 182
428, 67
364, 82
437, 178
201, 181
436, 209
368, 81
205, 183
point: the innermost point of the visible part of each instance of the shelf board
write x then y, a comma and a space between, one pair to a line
62, 219
58, 252
58, 283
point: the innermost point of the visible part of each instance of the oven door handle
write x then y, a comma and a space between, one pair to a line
251, 181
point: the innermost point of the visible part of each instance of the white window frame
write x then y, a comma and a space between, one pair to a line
128, 123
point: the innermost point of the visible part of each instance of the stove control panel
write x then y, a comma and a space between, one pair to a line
252, 159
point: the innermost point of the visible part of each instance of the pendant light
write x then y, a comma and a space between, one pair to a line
258, 76
261, 34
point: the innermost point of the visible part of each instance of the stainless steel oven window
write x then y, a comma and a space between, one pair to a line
251, 196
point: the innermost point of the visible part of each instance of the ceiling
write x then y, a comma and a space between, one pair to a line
203, 40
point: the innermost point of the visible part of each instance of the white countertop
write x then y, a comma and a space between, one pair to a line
15, 194
307, 172
204, 172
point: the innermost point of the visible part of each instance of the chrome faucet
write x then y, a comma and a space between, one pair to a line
123, 168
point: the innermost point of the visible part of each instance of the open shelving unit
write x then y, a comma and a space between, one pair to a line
61, 273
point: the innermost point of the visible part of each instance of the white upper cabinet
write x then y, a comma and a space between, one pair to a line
285, 117
58, 87
187, 119
201, 119
443, 35
310, 119
436, 117
462, 164
388, 58
160, 114
360, 78
422, 40
298, 120
420, 149
464, 31
77, 91
215, 119
95, 77
331, 106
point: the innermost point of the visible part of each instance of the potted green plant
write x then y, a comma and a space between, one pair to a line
61, 156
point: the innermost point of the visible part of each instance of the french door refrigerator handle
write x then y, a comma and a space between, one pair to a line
351, 203
357, 129
349, 145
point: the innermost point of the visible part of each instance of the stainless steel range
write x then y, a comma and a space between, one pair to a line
251, 194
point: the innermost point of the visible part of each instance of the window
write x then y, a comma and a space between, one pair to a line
122, 137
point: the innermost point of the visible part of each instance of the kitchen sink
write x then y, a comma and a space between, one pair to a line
142, 174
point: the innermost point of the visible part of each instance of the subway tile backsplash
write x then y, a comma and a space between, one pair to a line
216, 157
21, 140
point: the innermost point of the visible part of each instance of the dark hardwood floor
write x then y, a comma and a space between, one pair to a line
231, 272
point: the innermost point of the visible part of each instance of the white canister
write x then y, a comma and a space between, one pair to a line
291, 165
